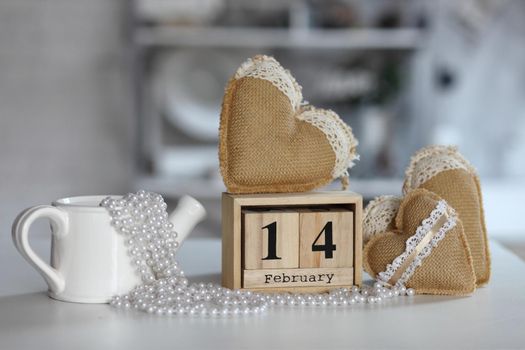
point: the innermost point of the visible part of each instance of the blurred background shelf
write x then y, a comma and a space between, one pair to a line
212, 188
363, 39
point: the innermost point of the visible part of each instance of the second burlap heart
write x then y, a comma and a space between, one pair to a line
444, 171
428, 252
270, 142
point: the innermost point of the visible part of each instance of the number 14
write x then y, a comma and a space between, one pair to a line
328, 247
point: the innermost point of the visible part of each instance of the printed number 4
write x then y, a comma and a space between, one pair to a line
328, 247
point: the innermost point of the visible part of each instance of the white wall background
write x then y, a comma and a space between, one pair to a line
64, 129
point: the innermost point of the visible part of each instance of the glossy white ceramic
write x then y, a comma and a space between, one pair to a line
89, 260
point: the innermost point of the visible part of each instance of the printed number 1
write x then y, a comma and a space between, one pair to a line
272, 241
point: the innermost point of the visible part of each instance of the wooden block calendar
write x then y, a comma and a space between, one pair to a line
301, 242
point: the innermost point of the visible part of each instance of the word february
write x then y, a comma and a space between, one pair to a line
286, 278
310, 277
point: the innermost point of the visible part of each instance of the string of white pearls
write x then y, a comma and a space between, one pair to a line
152, 243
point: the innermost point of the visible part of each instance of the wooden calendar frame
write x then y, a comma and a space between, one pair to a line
233, 204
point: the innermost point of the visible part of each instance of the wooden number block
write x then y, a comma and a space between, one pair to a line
271, 239
326, 238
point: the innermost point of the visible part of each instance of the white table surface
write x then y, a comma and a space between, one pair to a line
494, 317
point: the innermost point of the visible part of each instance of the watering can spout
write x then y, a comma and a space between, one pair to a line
189, 212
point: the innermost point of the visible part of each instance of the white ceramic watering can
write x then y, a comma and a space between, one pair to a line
89, 260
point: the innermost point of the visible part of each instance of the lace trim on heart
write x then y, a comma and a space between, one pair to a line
338, 134
430, 161
411, 243
379, 216
267, 68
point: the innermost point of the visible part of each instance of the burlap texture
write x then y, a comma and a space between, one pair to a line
461, 189
448, 270
264, 148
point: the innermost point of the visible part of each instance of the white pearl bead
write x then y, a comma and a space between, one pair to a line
410, 292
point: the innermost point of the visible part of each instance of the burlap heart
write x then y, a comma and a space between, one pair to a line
444, 171
429, 252
379, 216
270, 142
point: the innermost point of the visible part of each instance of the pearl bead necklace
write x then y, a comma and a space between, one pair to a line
152, 244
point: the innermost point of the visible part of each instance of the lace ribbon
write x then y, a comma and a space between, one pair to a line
432, 230
432, 160
338, 134
379, 216
267, 68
